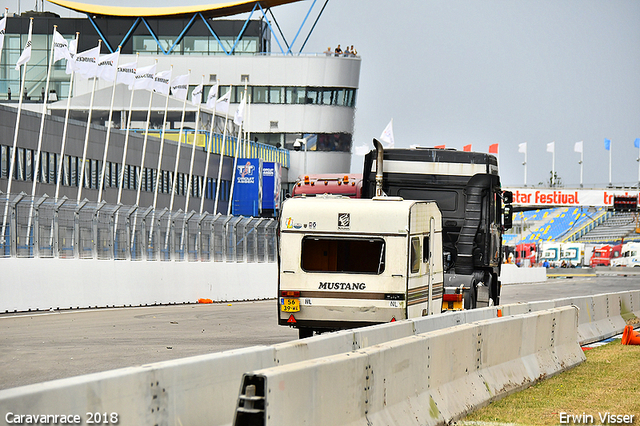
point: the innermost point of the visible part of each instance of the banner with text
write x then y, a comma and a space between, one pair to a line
566, 197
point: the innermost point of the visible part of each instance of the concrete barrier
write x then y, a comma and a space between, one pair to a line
431, 378
43, 284
511, 274
207, 386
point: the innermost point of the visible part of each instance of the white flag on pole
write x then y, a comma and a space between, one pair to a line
196, 95
238, 118
222, 104
212, 97
162, 81
551, 147
73, 50
362, 150
180, 86
60, 47
578, 146
522, 147
387, 135
26, 53
86, 63
127, 73
145, 77
3, 26
108, 66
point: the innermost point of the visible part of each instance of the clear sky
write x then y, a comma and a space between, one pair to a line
458, 72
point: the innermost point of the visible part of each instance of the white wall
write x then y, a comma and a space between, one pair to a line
31, 284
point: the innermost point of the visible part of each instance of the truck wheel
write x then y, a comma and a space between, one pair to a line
304, 332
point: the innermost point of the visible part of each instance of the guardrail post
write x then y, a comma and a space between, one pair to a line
36, 225
225, 244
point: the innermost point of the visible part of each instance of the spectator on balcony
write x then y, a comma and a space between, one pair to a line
338, 51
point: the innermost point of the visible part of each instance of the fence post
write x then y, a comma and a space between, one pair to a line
157, 230
131, 211
36, 225
76, 228
94, 229
255, 239
56, 231
13, 224
143, 231
203, 216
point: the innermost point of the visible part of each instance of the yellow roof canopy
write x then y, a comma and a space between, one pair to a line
214, 10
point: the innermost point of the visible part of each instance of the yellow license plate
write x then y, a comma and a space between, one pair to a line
452, 306
289, 305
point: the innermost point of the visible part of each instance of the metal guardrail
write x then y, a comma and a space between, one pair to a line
49, 228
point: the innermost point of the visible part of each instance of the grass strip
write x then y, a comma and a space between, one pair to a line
607, 382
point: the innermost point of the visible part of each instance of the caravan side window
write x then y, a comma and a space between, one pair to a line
416, 256
425, 249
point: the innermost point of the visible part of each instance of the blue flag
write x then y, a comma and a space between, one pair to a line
607, 144
636, 143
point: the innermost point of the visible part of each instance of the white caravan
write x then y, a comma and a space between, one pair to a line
346, 263
551, 252
572, 254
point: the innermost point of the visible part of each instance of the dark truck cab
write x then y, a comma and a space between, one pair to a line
466, 187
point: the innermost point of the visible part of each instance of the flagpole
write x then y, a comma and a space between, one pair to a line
553, 164
14, 153
66, 125
126, 138
175, 173
581, 166
193, 150
250, 154
222, 148
164, 124
209, 152
525, 165
42, 120
159, 168
235, 159
144, 147
610, 180
86, 135
107, 139
177, 162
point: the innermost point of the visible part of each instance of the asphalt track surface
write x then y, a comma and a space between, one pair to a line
43, 346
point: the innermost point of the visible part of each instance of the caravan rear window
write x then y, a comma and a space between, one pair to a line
351, 255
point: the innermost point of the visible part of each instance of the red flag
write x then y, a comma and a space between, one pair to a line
467, 148
440, 146
493, 148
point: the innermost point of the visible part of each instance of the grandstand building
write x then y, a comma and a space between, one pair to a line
292, 96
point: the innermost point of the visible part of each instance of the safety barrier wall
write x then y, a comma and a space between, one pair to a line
431, 378
216, 378
43, 284
511, 274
